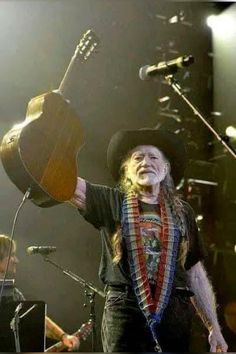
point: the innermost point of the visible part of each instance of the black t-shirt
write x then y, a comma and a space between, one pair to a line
104, 209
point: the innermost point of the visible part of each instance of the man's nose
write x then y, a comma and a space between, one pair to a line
145, 161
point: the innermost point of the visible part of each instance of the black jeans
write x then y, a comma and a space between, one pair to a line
124, 327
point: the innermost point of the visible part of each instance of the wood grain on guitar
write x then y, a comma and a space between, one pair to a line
82, 333
41, 152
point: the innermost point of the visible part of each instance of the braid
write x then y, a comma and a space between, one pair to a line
174, 202
116, 246
177, 208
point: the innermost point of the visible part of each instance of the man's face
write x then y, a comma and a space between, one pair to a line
12, 265
146, 166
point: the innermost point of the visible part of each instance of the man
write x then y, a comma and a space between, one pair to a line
152, 253
52, 329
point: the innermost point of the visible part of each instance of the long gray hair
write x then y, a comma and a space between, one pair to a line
170, 194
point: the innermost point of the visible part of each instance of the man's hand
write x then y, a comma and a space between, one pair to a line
71, 342
217, 342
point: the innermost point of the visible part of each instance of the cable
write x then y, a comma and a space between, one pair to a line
26, 196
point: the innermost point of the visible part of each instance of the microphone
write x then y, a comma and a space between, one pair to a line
44, 250
165, 67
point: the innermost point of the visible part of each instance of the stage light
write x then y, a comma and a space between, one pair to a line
212, 21
164, 99
199, 217
173, 19
231, 132
223, 24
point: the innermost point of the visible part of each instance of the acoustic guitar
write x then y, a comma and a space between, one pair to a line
40, 153
82, 333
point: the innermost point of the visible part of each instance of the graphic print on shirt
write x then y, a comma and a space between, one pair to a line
150, 226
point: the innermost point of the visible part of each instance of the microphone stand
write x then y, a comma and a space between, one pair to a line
89, 292
177, 88
14, 324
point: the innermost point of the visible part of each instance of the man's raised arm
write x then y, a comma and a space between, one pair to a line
79, 198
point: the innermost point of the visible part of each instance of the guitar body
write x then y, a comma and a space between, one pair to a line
41, 152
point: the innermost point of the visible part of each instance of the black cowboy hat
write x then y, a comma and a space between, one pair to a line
169, 143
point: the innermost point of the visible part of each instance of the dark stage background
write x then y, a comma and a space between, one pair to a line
37, 40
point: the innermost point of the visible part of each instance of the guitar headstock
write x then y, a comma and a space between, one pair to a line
85, 330
87, 45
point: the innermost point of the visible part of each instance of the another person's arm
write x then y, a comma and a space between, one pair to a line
55, 332
205, 303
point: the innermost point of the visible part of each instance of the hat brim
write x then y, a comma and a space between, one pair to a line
169, 143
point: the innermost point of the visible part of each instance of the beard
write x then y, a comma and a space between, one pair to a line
150, 178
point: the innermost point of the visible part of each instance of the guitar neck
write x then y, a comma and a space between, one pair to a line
59, 346
68, 74
82, 333
84, 49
